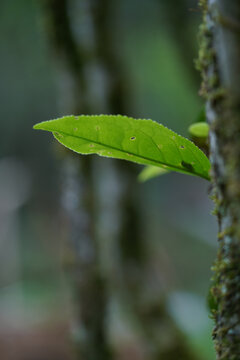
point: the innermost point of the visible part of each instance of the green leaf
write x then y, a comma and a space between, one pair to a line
150, 172
199, 129
142, 141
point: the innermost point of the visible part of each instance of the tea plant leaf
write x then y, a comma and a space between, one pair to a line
142, 141
199, 129
150, 172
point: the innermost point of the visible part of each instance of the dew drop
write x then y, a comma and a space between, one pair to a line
91, 145
182, 147
133, 138
75, 129
160, 146
97, 127
173, 137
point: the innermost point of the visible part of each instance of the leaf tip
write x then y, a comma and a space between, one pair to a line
41, 126
38, 126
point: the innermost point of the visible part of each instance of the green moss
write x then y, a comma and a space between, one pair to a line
203, 4
210, 87
225, 290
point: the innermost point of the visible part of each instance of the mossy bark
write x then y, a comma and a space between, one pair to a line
219, 62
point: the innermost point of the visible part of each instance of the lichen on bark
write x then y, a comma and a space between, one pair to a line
219, 63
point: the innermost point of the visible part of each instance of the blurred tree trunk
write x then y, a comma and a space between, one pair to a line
78, 191
179, 17
178, 20
219, 61
112, 271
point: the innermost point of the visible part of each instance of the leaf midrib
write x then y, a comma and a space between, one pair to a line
129, 152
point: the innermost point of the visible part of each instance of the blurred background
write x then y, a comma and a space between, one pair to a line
95, 265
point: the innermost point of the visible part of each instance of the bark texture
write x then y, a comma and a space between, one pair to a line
219, 62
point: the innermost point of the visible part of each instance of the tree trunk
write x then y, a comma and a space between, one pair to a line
219, 62
78, 192
111, 265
